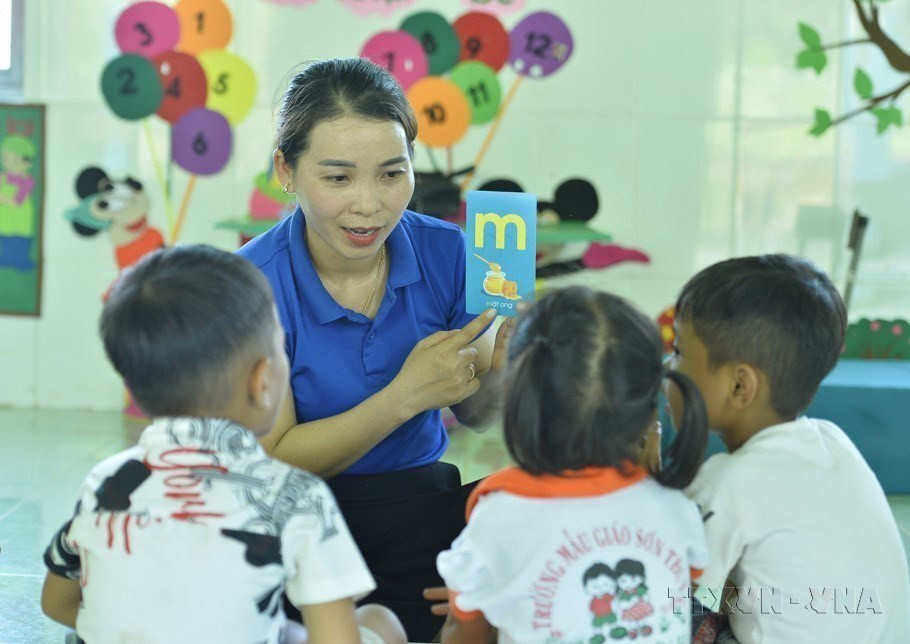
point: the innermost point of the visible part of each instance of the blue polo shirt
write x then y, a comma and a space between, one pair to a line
338, 357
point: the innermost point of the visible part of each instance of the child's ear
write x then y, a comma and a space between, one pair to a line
260, 394
746, 385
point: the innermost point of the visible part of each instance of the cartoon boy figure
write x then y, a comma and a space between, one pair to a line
17, 209
632, 597
600, 583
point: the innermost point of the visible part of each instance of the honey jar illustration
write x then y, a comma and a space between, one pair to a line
493, 282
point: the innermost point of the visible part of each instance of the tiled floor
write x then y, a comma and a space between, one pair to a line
44, 456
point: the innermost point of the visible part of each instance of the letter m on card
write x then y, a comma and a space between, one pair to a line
502, 242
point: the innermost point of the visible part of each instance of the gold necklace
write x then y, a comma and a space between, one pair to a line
366, 307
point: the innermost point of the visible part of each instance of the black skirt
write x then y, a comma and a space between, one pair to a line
401, 521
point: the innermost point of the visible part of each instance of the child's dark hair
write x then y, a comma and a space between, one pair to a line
630, 567
329, 89
777, 312
586, 372
176, 322
596, 571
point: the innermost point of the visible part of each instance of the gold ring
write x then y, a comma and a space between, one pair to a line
473, 373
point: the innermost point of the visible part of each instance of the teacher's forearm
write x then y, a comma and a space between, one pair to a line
331, 445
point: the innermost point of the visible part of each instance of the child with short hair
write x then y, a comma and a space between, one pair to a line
194, 534
579, 543
793, 510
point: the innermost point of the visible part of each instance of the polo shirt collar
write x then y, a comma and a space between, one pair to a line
403, 268
590, 481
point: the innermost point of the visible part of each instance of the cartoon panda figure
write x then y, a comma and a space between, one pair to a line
118, 207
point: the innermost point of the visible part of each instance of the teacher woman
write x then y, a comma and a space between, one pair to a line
372, 297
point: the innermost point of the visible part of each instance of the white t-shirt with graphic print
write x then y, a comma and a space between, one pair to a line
592, 557
194, 534
798, 521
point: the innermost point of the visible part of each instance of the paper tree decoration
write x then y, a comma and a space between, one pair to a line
450, 70
882, 105
878, 340
173, 64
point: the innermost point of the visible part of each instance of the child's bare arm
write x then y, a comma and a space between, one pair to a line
456, 631
60, 599
331, 623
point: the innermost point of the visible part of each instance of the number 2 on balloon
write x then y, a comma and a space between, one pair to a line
129, 76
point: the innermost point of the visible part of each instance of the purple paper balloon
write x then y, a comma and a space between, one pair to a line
201, 141
539, 44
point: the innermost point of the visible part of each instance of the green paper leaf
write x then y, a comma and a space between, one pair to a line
888, 116
809, 36
822, 122
814, 59
862, 83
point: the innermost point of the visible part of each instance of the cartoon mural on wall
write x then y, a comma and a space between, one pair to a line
118, 208
21, 206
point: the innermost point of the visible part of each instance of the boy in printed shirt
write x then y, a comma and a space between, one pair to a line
194, 534
792, 510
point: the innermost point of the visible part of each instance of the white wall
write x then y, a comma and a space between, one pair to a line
689, 117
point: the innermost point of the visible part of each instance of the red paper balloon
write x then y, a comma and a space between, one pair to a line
184, 83
482, 38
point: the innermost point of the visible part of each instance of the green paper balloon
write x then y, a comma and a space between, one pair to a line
480, 86
438, 38
131, 87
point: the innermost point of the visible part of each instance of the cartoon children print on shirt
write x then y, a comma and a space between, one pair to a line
619, 600
600, 583
17, 208
632, 597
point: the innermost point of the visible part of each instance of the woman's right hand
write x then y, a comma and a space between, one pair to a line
440, 369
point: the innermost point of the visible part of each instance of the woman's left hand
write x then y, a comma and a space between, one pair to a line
501, 345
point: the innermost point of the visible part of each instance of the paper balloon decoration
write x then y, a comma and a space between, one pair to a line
201, 141
384, 7
437, 37
147, 29
131, 87
482, 38
231, 84
400, 53
540, 44
478, 82
442, 111
498, 7
184, 84
204, 24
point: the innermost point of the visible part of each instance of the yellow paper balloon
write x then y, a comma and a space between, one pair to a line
231, 82
204, 24
442, 111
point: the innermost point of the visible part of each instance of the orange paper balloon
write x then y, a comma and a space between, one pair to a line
442, 111
204, 24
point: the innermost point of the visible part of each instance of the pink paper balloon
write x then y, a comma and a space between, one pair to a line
400, 53
147, 29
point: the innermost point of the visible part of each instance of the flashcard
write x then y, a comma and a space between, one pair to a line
501, 249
